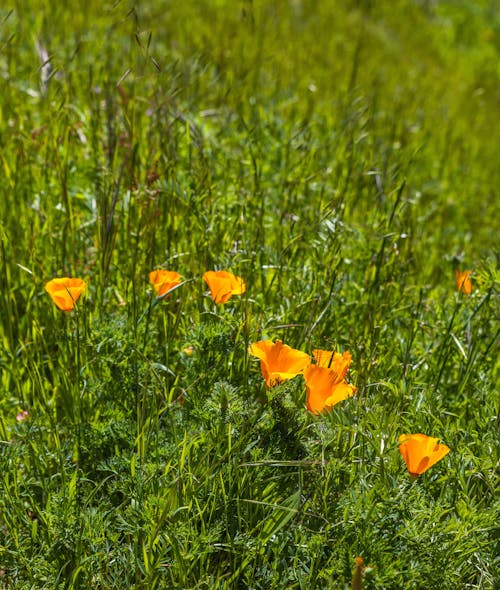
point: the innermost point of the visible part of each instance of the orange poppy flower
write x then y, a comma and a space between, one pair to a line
420, 452
325, 387
164, 281
65, 292
278, 362
463, 282
223, 285
333, 360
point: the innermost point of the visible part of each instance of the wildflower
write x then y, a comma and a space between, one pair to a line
333, 360
65, 291
462, 279
164, 281
325, 385
278, 362
420, 452
223, 285
23, 415
324, 388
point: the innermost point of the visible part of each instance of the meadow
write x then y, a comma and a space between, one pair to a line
341, 159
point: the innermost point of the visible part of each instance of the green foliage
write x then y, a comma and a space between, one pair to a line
343, 161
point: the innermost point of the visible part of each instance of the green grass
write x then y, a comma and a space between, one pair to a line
343, 159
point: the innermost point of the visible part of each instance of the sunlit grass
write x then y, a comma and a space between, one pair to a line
339, 166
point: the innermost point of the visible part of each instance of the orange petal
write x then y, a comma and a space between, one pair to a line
335, 361
463, 282
341, 391
65, 291
164, 281
223, 285
279, 362
323, 390
420, 452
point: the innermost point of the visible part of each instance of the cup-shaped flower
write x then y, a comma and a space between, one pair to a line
325, 387
164, 281
65, 291
420, 452
278, 362
223, 285
333, 360
463, 282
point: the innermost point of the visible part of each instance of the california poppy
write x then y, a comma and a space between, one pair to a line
65, 291
164, 281
278, 362
325, 385
324, 388
420, 452
333, 360
463, 282
223, 285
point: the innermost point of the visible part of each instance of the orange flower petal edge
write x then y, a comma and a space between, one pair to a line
223, 285
335, 361
463, 282
420, 452
164, 281
325, 388
65, 291
278, 362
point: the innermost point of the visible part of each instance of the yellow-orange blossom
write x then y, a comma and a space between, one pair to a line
278, 361
420, 452
463, 282
164, 281
65, 291
223, 285
325, 385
